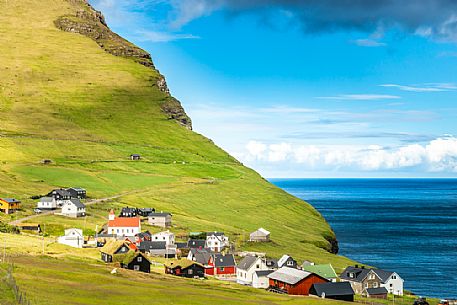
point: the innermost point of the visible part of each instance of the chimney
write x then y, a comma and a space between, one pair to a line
357, 266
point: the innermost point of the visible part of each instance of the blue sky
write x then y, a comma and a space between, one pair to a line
309, 88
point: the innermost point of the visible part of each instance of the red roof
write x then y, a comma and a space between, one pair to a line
132, 222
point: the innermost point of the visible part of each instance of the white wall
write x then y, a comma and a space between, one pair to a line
397, 285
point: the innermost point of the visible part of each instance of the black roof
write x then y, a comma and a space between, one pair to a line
144, 234
77, 203
146, 209
263, 272
181, 245
333, 289
227, 260
196, 243
375, 291
61, 192
215, 234
148, 245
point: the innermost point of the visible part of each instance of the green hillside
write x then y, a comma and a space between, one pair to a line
65, 97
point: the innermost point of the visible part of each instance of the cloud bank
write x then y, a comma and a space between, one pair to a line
436, 19
438, 155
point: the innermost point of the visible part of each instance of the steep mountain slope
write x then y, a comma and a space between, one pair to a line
65, 97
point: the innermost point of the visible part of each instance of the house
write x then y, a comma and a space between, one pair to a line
115, 250
135, 157
166, 236
185, 268
157, 248
48, 203
77, 192
72, 237
59, 194
221, 265
136, 261
200, 256
324, 270
30, 227
142, 236
362, 278
376, 293
293, 281
260, 235
73, 208
160, 219
247, 267
145, 212
128, 212
287, 261
123, 226
216, 241
337, 291
260, 279
196, 243
272, 263
9, 205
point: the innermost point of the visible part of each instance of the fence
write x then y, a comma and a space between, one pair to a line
21, 297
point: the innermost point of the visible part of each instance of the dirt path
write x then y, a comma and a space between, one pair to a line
90, 202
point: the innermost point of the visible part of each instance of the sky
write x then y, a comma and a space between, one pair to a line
310, 88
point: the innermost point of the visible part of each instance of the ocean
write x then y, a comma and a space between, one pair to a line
403, 225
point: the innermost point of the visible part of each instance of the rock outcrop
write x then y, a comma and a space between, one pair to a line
91, 23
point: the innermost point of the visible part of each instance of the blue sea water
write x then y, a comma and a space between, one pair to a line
403, 225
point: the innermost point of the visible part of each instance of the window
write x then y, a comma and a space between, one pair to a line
375, 285
366, 285
221, 268
394, 277
351, 275
140, 259
372, 276
290, 263
136, 267
190, 271
391, 285
257, 266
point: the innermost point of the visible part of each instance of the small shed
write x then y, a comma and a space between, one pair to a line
337, 291
73, 208
34, 227
135, 157
376, 293
260, 279
185, 268
260, 235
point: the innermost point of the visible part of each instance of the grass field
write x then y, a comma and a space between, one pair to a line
65, 99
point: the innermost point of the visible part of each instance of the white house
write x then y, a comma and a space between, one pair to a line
47, 203
166, 236
160, 219
260, 279
247, 267
73, 238
216, 241
391, 281
123, 226
73, 208
260, 235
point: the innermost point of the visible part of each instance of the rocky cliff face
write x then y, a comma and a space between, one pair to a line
91, 23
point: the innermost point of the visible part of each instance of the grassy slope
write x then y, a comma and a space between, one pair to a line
63, 98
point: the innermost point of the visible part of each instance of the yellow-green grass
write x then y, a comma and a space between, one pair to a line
63, 98
406, 299
71, 281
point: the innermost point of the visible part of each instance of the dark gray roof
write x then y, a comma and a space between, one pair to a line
144, 234
77, 203
201, 256
148, 245
46, 199
375, 291
263, 272
61, 192
159, 214
146, 209
227, 260
333, 289
272, 263
361, 273
289, 275
181, 245
215, 233
196, 243
78, 189
247, 262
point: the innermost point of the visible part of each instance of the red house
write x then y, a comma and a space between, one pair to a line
221, 265
293, 281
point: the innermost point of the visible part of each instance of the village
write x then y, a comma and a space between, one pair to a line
123, 244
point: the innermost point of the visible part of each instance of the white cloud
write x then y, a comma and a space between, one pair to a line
158, 36
432, 87
360, 97
437, 155
369, 43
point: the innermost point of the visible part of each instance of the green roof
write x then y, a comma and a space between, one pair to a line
183, 263
324, 270
112, 246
